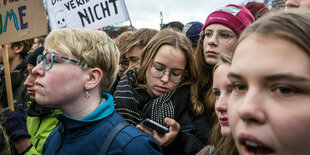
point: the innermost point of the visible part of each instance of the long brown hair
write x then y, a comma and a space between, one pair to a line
177, 40
201, 86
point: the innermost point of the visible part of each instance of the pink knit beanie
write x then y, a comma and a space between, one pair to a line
236, 17
257, 9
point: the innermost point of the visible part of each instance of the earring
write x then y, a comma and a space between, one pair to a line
87, 96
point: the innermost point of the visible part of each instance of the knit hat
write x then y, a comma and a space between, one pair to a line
236, 17
32, 57
257, 9
192, 31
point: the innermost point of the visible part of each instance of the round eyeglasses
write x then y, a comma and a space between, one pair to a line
48, 60
222, 36
159, 72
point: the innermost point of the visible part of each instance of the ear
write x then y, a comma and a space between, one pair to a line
94, 78
19, 49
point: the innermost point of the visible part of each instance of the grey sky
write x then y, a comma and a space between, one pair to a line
146, 13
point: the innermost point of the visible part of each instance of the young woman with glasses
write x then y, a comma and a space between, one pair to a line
161, 90
218, 35
73, 72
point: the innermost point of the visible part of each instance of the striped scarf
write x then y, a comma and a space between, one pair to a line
132, 102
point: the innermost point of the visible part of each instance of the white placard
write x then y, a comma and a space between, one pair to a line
92, 14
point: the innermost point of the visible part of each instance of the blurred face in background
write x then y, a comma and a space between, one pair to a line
297, 4
222, 90
123, 66
30, 82
36, 44
12, 52
133, 56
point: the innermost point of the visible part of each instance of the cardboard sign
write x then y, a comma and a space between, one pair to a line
21, 19
92, 14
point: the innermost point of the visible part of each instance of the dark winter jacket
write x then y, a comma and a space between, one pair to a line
134, 104
87, 135
18, 77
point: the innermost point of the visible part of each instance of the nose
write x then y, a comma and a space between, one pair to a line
291, 4
251, 108
121, 68
221, 104
30, 80
213, 40
165, 77
38, 70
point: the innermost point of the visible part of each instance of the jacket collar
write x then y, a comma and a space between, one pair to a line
105, 109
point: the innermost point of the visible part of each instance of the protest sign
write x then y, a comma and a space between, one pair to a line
21, 19
92, 14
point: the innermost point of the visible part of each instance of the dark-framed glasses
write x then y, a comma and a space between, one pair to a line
48, 60
174, 75
222, 36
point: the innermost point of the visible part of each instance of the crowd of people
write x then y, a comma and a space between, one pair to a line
231, 85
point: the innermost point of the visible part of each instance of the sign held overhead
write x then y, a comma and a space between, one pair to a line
85, 13
21, 19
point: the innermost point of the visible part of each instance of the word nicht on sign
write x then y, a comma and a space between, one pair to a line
97, 12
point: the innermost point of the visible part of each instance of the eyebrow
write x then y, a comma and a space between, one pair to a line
220, 30
215, 88
276, 77
173, 69
288, 77
133, 57
234, 75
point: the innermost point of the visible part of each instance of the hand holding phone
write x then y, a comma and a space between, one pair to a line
152, 125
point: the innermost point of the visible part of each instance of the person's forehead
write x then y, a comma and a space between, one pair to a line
216, 26
52, 51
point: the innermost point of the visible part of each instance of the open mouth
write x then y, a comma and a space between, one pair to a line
255, 147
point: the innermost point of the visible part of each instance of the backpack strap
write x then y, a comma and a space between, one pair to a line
106, 145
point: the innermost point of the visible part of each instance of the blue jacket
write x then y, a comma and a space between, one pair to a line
87, 135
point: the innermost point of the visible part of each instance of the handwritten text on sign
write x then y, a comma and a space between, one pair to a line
21, 19
85, 13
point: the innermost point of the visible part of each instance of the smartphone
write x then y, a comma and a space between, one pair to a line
152, 125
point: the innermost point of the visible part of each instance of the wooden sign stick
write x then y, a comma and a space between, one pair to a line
7, 73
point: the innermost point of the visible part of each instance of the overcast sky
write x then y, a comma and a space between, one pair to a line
146, 13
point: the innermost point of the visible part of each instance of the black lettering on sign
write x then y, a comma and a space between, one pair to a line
115, 7
54, 1
94, 13
72, 4
104, 9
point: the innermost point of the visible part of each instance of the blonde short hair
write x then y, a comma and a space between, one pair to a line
95, 48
